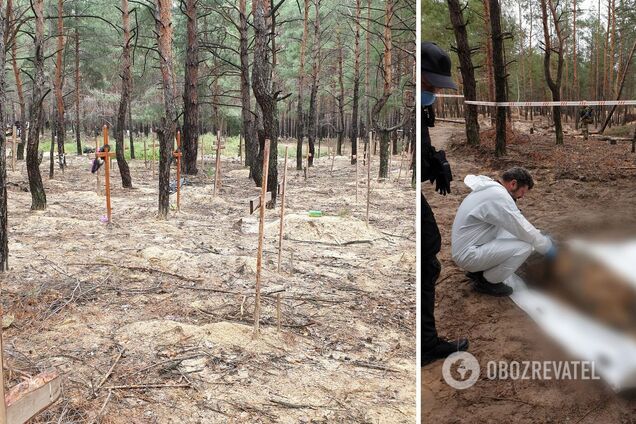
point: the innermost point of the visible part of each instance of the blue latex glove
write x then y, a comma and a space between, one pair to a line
552, 253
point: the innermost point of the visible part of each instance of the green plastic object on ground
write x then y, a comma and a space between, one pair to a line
315, 214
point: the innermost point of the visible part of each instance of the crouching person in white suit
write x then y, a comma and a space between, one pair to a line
491, 239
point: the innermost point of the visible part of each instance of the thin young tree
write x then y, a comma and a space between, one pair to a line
340, 130
356, 87
60, 128
300, 119
126, 82
312, 129
549, 13
249, 134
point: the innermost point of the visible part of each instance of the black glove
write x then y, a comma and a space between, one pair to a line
443, 176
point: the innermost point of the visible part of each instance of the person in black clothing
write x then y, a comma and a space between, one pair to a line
436, 73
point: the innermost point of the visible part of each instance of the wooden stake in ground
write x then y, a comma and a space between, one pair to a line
154, 146
355, 157
177, 155
13, 150
369, 174
106, 155
217, 171
98, 186
261, 228
145, 156
333, 160
401, 163
282, 211
202, 155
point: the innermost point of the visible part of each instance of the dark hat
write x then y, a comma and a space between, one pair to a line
436, 66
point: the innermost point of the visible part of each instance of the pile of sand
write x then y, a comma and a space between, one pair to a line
326, 229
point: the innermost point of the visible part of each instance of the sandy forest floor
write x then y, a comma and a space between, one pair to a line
170, 303
581, 188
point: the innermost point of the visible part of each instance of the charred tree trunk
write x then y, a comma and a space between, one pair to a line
553, 84
167, 128
300, 131
4, 237
356, 88
126, 78
251, 146
265, 94
467, 69
499, 75
190, 143
38, 196
315, 80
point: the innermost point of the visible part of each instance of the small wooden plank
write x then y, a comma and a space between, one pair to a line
31, 397
255, 203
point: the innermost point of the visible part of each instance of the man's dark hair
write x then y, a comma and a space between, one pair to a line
520, 174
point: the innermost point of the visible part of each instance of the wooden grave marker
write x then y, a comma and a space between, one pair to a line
261, 229
369, 174
282, 210
177, 155
217, 172
106, 155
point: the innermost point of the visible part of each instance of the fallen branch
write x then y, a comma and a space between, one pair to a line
103, 380
145, 386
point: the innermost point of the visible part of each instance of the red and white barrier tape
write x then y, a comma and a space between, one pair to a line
561, 103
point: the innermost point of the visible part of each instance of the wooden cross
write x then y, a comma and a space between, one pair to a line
106, 155
261, 228
217, 172
177, 155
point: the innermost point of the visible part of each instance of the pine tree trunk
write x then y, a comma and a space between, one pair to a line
190, 142
315, 80
265, 96
300, 119
38, 196
4, 236
356, 89
78, 141
249, 134
59, 96
341, 114
499, 75
167, 128
467, 70
553, 84
126, 77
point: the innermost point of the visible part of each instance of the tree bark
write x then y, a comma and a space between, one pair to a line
340, 97
18, 79
620, 87
4, 224
355, 126
553, 84
190, 142
78, 141
167, 128
467, 70
499, 70
38, 196
315, 81
126, 78
266, 96
60, 129
300, 126
249, 134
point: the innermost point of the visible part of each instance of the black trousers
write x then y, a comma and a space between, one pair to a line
431, 244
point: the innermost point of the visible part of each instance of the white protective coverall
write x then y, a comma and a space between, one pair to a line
490, 234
